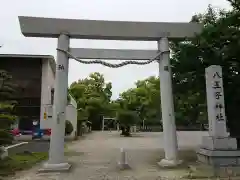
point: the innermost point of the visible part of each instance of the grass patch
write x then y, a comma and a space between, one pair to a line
20, 162
26, 160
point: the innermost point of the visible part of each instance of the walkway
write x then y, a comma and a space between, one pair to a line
96, 157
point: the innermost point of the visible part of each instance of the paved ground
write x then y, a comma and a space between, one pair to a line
45, 138
96, 157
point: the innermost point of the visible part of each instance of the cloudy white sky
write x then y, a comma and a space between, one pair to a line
126, 10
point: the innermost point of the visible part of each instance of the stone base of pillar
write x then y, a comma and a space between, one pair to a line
123, 166
169, 163
219, 157
219, 143
55, 167
219, 151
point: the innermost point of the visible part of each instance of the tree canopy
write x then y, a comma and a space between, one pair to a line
93, 97
218, 44
144, 99
7, 118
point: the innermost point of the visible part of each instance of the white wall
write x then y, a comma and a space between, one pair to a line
73, 102
71, 115
47, 84
48, 77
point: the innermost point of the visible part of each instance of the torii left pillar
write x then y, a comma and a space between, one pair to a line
168, 117
56, 160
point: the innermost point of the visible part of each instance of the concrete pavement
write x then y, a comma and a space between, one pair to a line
96, 157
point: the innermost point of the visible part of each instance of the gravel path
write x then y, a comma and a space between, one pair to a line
96, 157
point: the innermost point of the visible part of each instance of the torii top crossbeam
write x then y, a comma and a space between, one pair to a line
108, 30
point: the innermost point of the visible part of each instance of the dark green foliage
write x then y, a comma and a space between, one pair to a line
7, 90
126, 120
68, 127
22, 161
143, 99
93, 99
218, 44
5, 137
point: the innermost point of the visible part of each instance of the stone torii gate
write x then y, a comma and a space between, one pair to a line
64, 29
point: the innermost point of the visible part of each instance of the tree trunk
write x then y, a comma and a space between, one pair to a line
127, 131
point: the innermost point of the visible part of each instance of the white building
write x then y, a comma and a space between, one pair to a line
34, 76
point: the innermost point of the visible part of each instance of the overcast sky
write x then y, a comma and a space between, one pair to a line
126, 10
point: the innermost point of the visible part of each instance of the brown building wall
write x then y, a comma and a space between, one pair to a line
26, 74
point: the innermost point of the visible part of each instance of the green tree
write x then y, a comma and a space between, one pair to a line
126, 120
218, 44
7, 89
68, 127
235, 4
143, 99
93, 97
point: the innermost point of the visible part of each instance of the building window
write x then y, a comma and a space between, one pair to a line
52, 95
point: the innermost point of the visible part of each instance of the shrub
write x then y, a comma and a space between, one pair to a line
68, 128
7, 104
127, 119
6, 120
6, 137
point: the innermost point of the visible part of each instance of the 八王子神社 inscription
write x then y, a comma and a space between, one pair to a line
215, 101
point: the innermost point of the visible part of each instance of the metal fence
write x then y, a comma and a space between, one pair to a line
160, 129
